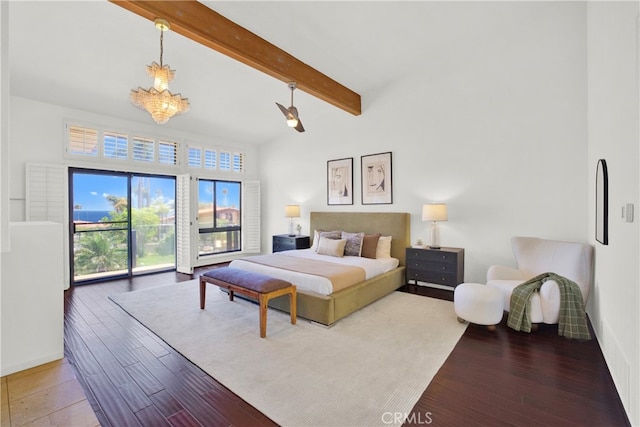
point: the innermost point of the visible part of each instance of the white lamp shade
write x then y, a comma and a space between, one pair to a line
434, 212
292, 211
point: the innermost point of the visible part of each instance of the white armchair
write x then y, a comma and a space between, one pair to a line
535, 256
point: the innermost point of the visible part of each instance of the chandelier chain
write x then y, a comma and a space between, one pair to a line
161, 46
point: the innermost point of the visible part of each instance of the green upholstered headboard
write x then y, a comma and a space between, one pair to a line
395, 224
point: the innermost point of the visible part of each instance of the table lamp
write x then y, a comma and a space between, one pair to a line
434, 212
291, 211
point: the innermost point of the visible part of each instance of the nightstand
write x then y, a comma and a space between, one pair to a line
285, 242
444, 266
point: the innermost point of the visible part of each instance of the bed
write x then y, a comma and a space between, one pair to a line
328, 309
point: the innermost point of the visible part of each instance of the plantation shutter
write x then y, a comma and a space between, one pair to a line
251, 217
194, 157
210, 159
46, 191
116, 145
46, 200
224, 161
82, 141
238, 162
143, 149
185, 243
168, 153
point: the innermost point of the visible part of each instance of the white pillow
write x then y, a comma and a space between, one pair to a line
332, 247
383, 250
336, 234
316, 239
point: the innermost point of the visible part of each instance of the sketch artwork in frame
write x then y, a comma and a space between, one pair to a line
602, 202
376, 179
340, 181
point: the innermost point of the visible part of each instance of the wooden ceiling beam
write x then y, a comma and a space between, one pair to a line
201, 24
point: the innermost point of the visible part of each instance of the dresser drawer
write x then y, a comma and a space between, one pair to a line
444, 278
422, 255
284, 242
433, 267
443, 266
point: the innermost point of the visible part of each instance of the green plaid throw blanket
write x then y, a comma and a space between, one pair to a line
572, 321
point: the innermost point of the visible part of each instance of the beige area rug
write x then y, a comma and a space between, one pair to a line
367, 370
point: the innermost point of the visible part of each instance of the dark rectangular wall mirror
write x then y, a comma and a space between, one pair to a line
602, 202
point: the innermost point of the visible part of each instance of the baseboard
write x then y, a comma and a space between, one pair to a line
17, 367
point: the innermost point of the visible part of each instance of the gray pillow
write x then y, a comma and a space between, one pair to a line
354, 243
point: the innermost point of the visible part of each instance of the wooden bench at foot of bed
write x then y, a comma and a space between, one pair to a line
253, 285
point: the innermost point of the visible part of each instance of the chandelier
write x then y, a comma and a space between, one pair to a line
157, 100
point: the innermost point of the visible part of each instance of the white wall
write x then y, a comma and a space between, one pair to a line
613, 64
494, 125
4, 126
4, 139
32, 298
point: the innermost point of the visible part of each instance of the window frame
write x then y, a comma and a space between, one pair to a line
215, 228
90, 143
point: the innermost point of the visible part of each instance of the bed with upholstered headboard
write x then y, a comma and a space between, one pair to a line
327, 309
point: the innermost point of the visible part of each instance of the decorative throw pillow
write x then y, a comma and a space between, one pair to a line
354, 243
335, 235
332, 247
383, 250
369, 245
316, 239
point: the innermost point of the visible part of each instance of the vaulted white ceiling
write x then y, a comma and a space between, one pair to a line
88, 55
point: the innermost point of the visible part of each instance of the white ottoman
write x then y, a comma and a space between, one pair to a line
478, 304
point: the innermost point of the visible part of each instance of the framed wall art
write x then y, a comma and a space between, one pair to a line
340, 181
602, 202
376, 180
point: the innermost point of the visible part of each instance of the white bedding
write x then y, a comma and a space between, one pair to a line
318, 284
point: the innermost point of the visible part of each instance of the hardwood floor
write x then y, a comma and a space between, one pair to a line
132, 378
507, 377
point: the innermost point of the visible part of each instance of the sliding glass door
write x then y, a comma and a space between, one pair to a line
123, 224
153, 223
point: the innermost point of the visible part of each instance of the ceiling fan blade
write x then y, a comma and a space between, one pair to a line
291, 113
284, 110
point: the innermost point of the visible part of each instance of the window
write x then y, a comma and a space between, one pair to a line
88, 143
210, 159
238, 162
168, 152
194, 157
83, 141
115, 145
123, 224
219, 214
225, 161
143, 149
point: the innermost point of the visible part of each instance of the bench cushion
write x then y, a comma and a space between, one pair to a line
247, 279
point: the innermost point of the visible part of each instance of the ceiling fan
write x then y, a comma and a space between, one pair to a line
291, 113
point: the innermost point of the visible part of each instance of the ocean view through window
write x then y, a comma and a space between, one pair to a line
123, 224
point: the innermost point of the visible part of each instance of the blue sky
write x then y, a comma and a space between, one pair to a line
232, 196
90, 191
